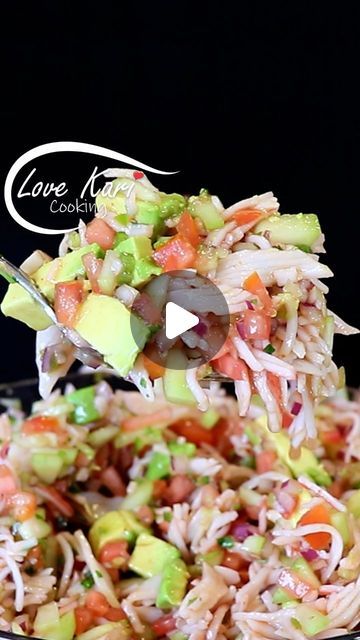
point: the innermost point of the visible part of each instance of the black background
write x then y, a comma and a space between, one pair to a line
241, 98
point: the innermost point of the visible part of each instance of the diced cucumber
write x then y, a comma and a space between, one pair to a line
175, 385
311, 620
159, 466
300, 229
209, 418
141, 495
85, 410
47, 466
340, 521
187, 449
202, 207
34, 528
281, 596
353, 504
102, 436
254, 544
304, 570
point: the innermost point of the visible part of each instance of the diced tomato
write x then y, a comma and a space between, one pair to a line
151, 362
23, 505
111, 552
188, 229
82, 460
254, 325
8, 484
275, 388
40, 424
159, 487
93, 266
100, 232
54, 497
246, 216
193, 431
68, 297
114, 574
265, 461
164, 625
115, 615
293, 584
287, 419
145, 307
112, 480
178, 490
337, 488
140, 422
319, 514
35, 558
221, 433
233, 561
331, 436
176, 253
255, 285
97, 604
84, 620
231, 367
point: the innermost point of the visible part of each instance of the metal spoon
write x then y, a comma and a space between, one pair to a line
83, 350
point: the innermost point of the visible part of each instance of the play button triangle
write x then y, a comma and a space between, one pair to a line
178, 320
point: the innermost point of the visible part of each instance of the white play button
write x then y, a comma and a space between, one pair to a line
178, 320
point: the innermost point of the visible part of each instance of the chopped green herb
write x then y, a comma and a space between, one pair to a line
248, 461
88, 581
74, 488
99, 574
269, 348
143, 383
227, 542
204, 480
167, 516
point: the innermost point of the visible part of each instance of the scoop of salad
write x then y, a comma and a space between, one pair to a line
109, 286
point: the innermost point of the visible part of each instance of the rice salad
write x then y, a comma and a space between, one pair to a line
124, 519
266, 265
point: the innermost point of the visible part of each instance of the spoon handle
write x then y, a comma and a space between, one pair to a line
13, 274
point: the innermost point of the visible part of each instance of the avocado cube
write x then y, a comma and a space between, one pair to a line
109, 327
148, 213
151, 555
173, 585
63, 269
138, 246
19, 304
143, 270
112, 526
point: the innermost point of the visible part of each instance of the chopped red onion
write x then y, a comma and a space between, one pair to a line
296, 408
201, 329
249, 305
240, 530
241, 329
310, 554
55, 354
